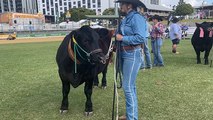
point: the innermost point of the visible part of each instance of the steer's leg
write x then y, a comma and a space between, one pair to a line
65, 92
96, 81
198, 56
104, 82
206, 57
88, 93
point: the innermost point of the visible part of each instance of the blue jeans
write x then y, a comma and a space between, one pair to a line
130, 65
156, 45
146, 55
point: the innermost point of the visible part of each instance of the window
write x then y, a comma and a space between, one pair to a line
61, 13
88, 4
93, 1
51, 2
99, 3
56, 6
52, 11
19, 6
70, 5
11, 6
79, 4
44, 12
60, 2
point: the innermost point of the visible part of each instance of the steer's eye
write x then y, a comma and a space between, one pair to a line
85, 42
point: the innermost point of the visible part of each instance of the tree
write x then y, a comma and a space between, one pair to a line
77, 14
109, 11
184, 9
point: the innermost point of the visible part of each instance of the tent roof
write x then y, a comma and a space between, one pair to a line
156, 7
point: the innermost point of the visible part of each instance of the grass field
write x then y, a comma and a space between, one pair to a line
30, 88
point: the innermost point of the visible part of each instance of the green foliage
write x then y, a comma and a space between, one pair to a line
77, 14
109, 11
184, 9
30, 88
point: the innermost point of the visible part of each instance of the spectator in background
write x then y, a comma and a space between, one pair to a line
184, 28
157, 40
175, 34
146, 62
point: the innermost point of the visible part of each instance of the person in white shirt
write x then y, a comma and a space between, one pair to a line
175, 34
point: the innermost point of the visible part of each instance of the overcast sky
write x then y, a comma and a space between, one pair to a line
192, 2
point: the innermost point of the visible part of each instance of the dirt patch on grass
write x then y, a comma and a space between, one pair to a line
32, 39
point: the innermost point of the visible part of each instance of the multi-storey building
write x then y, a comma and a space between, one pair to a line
58, 7
20, 6
53, 9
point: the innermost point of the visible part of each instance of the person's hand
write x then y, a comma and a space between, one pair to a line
119, 37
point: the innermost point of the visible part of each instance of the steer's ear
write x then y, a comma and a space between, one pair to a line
74, 34
197, 24
211, 24
102, 32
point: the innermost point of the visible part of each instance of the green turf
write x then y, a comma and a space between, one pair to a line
30, 88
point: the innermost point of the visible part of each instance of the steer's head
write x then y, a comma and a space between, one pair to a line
206, 26
87, 45
205, 29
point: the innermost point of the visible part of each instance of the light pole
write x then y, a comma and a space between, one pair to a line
116, 8
202, 5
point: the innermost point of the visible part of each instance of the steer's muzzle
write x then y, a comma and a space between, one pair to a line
97, 56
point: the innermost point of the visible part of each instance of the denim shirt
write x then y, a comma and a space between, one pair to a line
133, 28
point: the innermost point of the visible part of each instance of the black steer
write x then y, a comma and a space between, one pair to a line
106, 44
80, 59
202, 40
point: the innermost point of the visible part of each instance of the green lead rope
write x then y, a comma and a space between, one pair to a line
75, 58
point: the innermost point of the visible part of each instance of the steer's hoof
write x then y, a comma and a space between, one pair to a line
63, 111
88, 114
104, 87
95, 86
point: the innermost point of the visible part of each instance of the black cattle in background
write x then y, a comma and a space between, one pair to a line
80, 59
202, 40
105, 43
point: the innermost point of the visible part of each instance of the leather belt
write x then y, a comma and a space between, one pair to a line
132, 47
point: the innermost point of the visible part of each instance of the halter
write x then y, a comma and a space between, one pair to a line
72, 54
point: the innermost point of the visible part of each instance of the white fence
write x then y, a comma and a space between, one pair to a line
32, 27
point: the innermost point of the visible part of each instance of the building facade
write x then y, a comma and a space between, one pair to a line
57, 7
204, 11
19, 6
155, 7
